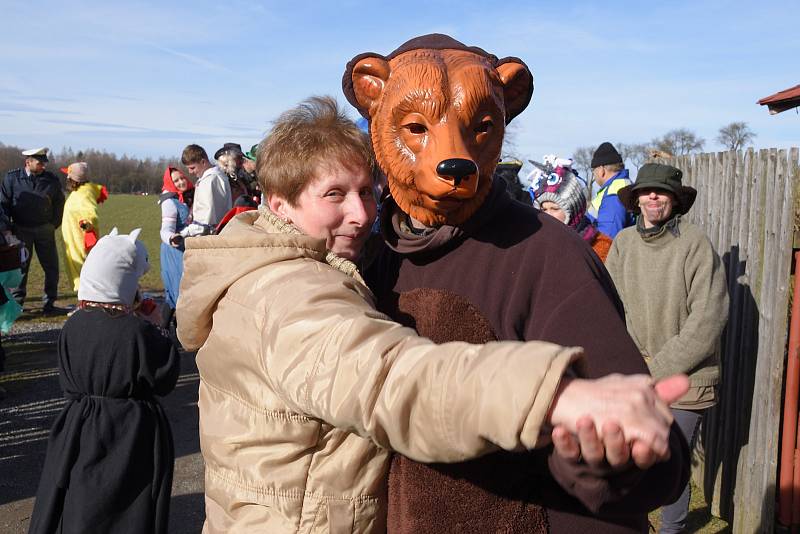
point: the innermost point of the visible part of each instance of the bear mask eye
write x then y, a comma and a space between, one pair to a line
484, 126
415, 128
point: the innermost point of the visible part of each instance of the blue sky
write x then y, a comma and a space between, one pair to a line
148, 78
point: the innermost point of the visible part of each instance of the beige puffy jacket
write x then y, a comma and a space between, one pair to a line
305, 387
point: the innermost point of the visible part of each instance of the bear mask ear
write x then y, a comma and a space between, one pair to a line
369, 75
517, 86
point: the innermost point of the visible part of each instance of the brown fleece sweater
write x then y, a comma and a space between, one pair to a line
513, 273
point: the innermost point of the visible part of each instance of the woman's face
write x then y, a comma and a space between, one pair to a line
554, 210
337, 205
180, 181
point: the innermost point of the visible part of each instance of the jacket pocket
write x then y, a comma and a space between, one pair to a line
334, 517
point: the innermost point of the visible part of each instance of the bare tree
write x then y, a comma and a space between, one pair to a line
735, 136
510, 139
637, 154
582, 156
679, 142
623, 149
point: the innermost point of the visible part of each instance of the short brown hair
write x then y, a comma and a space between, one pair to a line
193, 154
303, 138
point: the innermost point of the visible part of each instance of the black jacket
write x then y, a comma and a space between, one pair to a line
31, 200
110, 452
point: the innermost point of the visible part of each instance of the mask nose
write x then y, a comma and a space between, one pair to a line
456, 169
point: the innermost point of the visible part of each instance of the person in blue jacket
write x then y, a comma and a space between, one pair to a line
609, 172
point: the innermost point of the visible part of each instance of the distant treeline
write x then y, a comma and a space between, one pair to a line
119, 174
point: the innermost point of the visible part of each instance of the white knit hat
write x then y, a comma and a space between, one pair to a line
113, 268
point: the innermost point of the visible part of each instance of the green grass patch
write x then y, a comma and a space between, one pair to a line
699, 519
126, 212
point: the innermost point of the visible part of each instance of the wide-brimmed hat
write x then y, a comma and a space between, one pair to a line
659, 176
234, 148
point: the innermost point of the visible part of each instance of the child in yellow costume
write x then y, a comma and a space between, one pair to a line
79, 224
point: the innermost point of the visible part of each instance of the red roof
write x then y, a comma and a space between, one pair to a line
783, 100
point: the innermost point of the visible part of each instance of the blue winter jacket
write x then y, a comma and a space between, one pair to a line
606, 210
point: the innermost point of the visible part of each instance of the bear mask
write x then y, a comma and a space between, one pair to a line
437, 111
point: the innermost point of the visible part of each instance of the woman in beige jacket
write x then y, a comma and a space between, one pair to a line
305, 388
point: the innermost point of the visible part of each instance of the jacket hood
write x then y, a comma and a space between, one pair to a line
252, 240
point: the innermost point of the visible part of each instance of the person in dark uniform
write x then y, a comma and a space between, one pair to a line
32, 200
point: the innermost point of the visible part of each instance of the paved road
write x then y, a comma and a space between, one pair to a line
32, 404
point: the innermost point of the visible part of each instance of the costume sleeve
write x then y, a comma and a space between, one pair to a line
591, 316
160, 362
85, 209
628, 491
330, 355
169, 220
612, 216
707, 303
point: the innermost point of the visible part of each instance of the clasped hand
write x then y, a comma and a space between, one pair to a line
615, 419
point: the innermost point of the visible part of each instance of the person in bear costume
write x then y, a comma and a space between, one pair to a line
463, 261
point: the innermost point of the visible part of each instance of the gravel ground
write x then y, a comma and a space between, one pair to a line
34, 400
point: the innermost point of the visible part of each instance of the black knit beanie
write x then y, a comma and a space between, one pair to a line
605, 154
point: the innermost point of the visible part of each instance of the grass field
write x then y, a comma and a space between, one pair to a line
126, 212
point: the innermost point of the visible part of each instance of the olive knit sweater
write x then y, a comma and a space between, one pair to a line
676, 300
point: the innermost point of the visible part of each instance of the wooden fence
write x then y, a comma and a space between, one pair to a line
747, 204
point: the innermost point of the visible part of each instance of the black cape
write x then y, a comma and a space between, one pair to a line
110, 452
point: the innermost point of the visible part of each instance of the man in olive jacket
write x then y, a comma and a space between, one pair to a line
673, 287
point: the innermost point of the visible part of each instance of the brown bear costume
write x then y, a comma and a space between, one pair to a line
463, 261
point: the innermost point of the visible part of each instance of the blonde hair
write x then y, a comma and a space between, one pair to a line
313, 134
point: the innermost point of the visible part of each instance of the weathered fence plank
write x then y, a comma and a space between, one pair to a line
746, 204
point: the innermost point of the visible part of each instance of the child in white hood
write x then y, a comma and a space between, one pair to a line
110, 452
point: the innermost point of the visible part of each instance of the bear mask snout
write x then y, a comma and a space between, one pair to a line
457, 169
